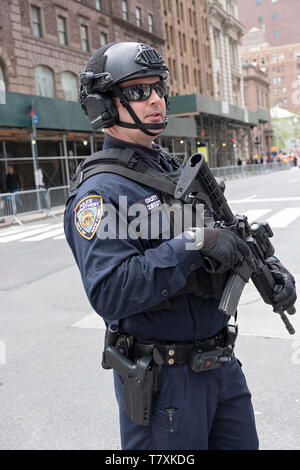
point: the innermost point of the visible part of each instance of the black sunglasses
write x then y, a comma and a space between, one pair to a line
142, 91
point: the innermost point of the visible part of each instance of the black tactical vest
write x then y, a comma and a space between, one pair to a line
126, 163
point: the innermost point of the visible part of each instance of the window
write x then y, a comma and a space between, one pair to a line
217, 43
98, 5
174, 70
62, 30
44, 81
298, 76
297, 55
2, 86
125, 10
84, 38
103, 39
138, 16
258, 2
275, 16
36, 21
284, 91
190, 17
69, 86
274, 1
171, 35
276, 34
150, 23
187, 74
260, 19
180, 41
298, 66
167, 33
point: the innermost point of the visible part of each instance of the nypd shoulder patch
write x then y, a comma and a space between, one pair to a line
88, 214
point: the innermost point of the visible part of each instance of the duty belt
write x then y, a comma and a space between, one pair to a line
200, 355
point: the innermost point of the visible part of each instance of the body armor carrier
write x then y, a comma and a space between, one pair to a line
126, 163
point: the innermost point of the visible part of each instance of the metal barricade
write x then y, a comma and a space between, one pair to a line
38, 200
31, 201
58, 196
6, 205
23, 202
239, 171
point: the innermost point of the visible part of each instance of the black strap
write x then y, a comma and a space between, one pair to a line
146, 180
121, 165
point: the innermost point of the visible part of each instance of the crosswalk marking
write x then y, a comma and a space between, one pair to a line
60, 237
43, 236
254, 214
27, 233
284, 217
35, 233
267, 199
14, 230
93, 320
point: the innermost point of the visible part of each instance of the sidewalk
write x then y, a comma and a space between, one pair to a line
31, 217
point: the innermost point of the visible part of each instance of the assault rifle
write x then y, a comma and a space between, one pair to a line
198, 181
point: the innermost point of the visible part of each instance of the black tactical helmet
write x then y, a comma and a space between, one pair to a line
113, 64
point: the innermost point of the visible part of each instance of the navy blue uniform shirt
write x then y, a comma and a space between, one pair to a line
123, 277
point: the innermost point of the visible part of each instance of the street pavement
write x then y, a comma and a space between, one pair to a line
54, 393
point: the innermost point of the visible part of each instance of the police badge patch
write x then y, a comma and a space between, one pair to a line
88, 214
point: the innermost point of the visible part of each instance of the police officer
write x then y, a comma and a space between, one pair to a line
164, 327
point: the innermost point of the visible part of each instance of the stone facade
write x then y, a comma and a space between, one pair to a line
225, 33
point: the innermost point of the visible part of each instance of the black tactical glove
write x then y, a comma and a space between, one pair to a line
284, 295
224, 248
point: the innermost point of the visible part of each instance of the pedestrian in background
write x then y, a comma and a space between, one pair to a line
13, 180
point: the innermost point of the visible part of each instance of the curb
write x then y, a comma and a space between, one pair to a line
26, 218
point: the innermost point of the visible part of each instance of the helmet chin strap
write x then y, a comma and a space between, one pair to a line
138, 123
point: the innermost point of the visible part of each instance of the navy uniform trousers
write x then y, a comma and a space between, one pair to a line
194, 411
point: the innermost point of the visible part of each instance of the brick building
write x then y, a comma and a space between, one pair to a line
279, 19
44, 46
281, 65
256, 88
187, 47
208, 84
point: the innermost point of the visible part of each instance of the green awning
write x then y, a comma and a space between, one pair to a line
67, 116
184, 104
51, 113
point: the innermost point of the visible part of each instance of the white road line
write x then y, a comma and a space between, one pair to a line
43, 236
19, 236
15, 230
91, 321
60, 237
255, 214
270, 199
283, 218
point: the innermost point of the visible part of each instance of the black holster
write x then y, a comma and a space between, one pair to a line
141, 378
